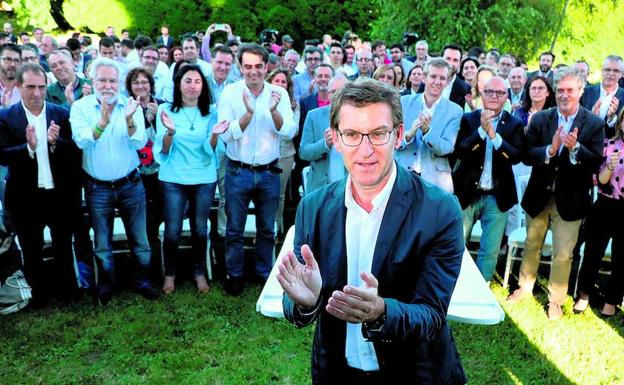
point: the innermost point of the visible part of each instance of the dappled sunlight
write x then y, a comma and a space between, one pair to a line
97, 14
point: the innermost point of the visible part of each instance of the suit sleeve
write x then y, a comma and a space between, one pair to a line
536, 152
513, 148
590, 150
443, 144
312, 148
11, 153
468, 141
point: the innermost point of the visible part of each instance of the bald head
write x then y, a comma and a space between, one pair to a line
494, 94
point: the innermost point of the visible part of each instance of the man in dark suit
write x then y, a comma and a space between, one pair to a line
42, 187
546, 60
564, 146
387, 253
164, 37
488, 144
322, 75
607, 98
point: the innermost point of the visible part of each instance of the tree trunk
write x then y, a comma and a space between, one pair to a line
56, 10
563, 14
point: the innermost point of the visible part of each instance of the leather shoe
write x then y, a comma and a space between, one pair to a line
149, 292
554, 311
580, 305
518, 295
234, 286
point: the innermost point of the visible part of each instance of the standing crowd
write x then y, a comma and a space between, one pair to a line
151, 132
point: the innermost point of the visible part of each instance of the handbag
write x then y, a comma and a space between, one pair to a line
15, 293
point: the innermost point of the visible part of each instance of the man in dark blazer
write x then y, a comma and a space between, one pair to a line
164, 37
564, 146
456, 89
489, 143
607, 98
43, 185
546, 61
387, 253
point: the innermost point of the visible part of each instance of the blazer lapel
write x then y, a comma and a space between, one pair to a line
335, 215
396, 210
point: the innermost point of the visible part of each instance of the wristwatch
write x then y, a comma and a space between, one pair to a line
370, 328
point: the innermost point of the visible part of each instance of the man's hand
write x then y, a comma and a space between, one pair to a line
569, 140
425, 120
596, 107
247, 102
275, 99
211, 29
53, 133
615, 103
556, 142
87, 89
329, 140
131, 108
220, 127
486, 123
105, 118
301, 282
357, 304
31, 138
69, 93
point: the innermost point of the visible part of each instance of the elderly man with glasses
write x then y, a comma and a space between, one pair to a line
304, 83
365, 64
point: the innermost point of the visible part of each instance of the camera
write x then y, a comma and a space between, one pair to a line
268, 36
410, 38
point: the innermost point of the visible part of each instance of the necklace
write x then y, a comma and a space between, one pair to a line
191, 121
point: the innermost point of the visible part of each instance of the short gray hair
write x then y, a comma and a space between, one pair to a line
437, 62
615, 58
291, 52
568, 72
422, 43
103, 62
363, 92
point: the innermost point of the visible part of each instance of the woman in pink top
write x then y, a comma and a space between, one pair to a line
603, 224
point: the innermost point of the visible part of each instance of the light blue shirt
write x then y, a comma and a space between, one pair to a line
114, 154
301, 85
486, 176
191, 160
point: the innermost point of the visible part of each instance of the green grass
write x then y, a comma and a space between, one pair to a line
188, 338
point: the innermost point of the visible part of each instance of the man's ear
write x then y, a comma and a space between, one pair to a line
399, 138
336, 140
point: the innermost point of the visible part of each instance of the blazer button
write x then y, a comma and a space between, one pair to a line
476, 183
556, 168
548, 188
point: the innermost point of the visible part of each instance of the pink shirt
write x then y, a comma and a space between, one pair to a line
322, 103
615, 188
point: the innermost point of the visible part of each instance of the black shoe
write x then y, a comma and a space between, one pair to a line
104, 298
149, 292
234, 286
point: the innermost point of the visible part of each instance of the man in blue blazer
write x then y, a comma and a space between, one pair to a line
376, 257
432, 123
326, 164
43, 184
607, 98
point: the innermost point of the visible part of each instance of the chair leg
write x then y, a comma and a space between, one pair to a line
508, 265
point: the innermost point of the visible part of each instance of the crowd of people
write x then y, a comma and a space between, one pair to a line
155, 129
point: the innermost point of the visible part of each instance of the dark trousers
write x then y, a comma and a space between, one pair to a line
31, 213
602, 224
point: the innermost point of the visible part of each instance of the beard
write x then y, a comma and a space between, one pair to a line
544, 68
107, 96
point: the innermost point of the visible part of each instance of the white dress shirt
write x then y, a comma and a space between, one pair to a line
361, 231
44, 173
605, 101
259, 144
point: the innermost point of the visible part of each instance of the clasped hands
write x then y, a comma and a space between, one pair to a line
302, 282
53, 134
561, 138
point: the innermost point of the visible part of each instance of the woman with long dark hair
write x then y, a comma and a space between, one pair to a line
540, 97
184, 147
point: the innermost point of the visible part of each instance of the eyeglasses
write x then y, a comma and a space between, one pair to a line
11, 60
492, 93
140, 83
30, 59
313, 59
611, 71
365, 59
151, 58
354, 138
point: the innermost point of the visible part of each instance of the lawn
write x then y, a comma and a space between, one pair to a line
187, 338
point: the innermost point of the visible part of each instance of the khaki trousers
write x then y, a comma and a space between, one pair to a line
565, 235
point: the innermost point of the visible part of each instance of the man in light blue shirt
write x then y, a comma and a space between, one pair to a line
109, 129
303, 82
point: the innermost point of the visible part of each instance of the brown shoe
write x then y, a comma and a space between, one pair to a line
202, 285
554, 311
169, 285
518, 295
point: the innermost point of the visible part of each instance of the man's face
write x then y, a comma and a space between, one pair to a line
163, 54
46, 45
189, 48
583, 69
490, 60
452, 58
234, 49
106, 83
164, 31
110, 31
504, 66
33, 90
568, 94
38, 33
125, 35
396, 55
312, 60
517, 79
350, 54
118, 48
108, 52
421, 52
8, 28
290, 62
364, 62
435, 81
494, 94
335, 85
149, 60
29, 56
335, 55
221, 65
611, 74
62, 68
545, 63
368, 165
25, 39
322, 76
253, 69
9, 63
380, 51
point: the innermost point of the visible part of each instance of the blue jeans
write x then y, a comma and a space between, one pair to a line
129, 198
493, 223
242, 186
175, 197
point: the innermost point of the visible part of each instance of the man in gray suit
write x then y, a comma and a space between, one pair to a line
317, 146
431, 127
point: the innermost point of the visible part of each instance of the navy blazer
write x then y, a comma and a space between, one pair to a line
573, 183
590, 97
307, 104
22, 176
417, 259
470, 152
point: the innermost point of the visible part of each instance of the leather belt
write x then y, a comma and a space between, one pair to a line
132, 177
257, 168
